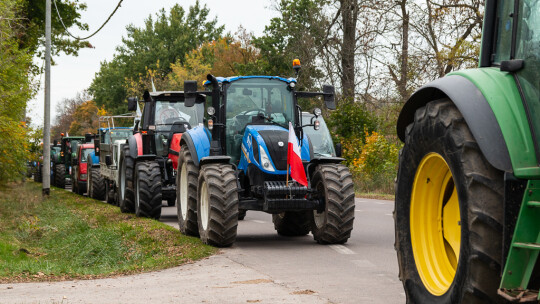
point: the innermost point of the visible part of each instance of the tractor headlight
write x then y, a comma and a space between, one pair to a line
265, 160
211, 111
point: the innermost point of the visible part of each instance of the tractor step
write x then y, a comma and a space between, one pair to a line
524, 249
533, 204
532, 246
519, 296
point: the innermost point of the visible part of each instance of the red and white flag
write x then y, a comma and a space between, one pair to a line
294, 159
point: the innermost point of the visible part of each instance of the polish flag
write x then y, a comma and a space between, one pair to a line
294, 159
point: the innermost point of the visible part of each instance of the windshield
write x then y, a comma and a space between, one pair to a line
320, 139
85, 153
259, 100
528, 49
117, 134
168, 112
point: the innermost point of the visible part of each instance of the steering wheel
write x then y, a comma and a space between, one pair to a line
167, 113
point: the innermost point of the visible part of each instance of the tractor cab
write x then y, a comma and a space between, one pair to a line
166, 114
261, 105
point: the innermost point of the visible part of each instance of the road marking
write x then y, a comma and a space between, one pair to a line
363, 263
362, 201
257, 221
358, 210
341, 249
380, 203
390, 214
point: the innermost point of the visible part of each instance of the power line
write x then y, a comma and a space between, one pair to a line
99, 29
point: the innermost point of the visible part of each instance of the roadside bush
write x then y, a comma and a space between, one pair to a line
375, 168
14, 148
349, 122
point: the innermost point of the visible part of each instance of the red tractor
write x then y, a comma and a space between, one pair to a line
79, 167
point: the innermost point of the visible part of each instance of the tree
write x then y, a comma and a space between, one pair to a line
160, 43
85, 118
32, 31
297, 33
65, 113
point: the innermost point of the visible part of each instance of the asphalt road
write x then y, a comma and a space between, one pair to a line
364, 270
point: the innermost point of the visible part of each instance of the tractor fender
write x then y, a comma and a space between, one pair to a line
135, 145
93, 160
475, 110
198, 142
174, 149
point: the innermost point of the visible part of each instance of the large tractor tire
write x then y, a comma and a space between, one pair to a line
334, 185
126, 200
38, 175
60, 176
148, 189
98, 184
448, 212
292, 223
217, 207
186, 193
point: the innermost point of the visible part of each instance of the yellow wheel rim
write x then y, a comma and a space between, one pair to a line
435, 224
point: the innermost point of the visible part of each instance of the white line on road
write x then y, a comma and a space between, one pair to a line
390, 214
257, 221
362, 201
358, 210
380, 203
341, 249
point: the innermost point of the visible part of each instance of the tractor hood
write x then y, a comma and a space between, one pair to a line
268, 141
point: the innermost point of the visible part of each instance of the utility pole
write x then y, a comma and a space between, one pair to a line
46, 190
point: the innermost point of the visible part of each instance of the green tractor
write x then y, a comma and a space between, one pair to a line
467, 209
62, 160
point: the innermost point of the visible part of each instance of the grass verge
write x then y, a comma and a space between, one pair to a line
380, 196
69, 236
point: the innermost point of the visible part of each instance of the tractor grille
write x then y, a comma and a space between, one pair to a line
277, 153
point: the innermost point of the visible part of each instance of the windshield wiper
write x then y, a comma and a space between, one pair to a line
271, 120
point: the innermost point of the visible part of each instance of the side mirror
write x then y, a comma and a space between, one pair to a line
132, 104
190, 93
329, 96
108, 160
338, 150
96, 146
88, 137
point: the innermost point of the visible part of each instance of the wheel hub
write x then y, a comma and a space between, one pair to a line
183, 192
205, 207
435, 224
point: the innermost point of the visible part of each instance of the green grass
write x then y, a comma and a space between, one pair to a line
372, 195
69, 236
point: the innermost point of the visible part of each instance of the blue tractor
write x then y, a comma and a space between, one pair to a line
237, 161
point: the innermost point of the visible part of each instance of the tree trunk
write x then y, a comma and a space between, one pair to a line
349, 17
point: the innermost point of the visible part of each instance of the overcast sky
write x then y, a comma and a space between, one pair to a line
74, 74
